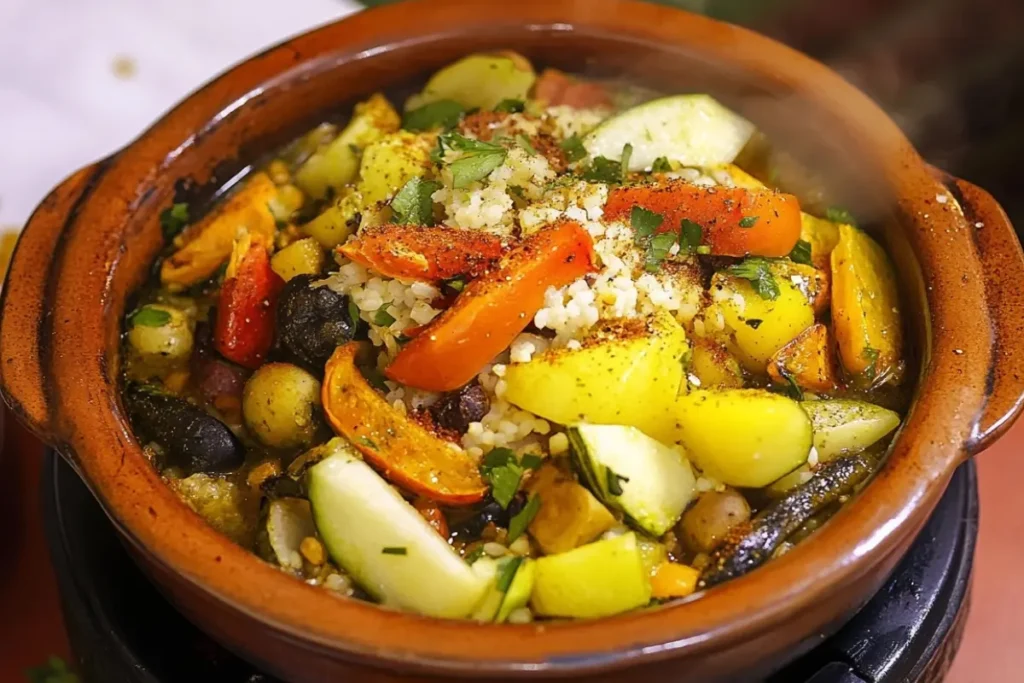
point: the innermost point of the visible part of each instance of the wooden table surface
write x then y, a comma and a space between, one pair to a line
32, 630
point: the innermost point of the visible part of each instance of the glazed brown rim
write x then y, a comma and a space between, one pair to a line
62, 381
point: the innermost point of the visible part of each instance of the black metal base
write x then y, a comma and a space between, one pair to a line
121, 629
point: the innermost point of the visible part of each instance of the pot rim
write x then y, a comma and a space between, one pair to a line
927, 448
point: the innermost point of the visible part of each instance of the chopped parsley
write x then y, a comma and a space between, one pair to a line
394, 550
412, 203
531, 461
748, 221
511, 106
661, 165
441, 114
517, 525
644, 223
476, 163
573, 148
657, 249
504, 472
525, 143
615, 482
382, 317
627, 152
758, 272
474, 554
147, 316
690, 235
173, 220
506, 572
871, 356
604, 170
838, 214
455, 284
801, 253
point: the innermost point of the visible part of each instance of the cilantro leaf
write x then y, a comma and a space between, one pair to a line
461, 143
525, 143
517, 525
504, 473
644, 223
657, 249
604, 170
757, 271
531, 461
627, 152
496, 457
477, 162
511, 106
173, 220
412, 203
147, 316
455, 284
748, 221
661, 165
573, 148
440, 114
506, 572
801, 253
382, 317
838, 214
690, 235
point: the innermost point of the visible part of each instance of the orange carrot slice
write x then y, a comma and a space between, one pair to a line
493, 309
809, 360
424, 253
404, 451
671, 580
735, 221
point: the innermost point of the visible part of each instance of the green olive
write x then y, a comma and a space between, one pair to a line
160, 332
280, 404
707, 523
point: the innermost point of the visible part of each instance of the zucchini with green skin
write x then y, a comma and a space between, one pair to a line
650, 482
511, 581
783, 518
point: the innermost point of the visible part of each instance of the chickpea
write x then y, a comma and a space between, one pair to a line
160, 332
280, 404
705, 525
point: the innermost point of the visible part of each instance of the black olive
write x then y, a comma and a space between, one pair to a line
456, 409
491, 511
194, 440
312, 322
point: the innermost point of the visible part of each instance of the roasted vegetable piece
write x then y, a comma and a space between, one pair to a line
336, 164
432, 512
193, 440
783, 517
281, 405
865, 308
455, 410
743, 437
812, 282
735, 221
302, 257
758, 327
823, 235
390, 162
707, 523
288, 521
493, 309
569, 515
203, 247
222, 503
424, 253
672, 580
385, 544
808, 360
160, 333
556, 88
312, 321
244, 331
406, 453
713, 367
628, 372
479, 81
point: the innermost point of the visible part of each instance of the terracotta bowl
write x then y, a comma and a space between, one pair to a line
92, 240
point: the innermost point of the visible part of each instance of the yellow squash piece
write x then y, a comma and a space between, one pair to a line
743, 437
479, 81
302, 257
206, 245
812, 282
337, 164
809, 360
713, 367
628, 372
756, 327
823, 236
865, 307
569, 516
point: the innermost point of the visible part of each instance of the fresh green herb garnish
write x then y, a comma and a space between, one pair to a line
838, 214
792, 388
604, 170
517, 191
871, 356
644, 223
455, 284
627, 152
412, 203
394, 550
368, 442
474, 554
531, 461
441, 114
657, 249
517, 525
54, 671
704, 249
573, 148
506, 572
757, 271
525, 143
801, 253
476, 163
382, 317
690, 235
504, 473
173, 220
147, 316
748, 221
511, 106
353, 313
615, 482
661, 165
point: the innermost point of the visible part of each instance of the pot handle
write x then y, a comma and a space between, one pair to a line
1003, 263
25, 307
